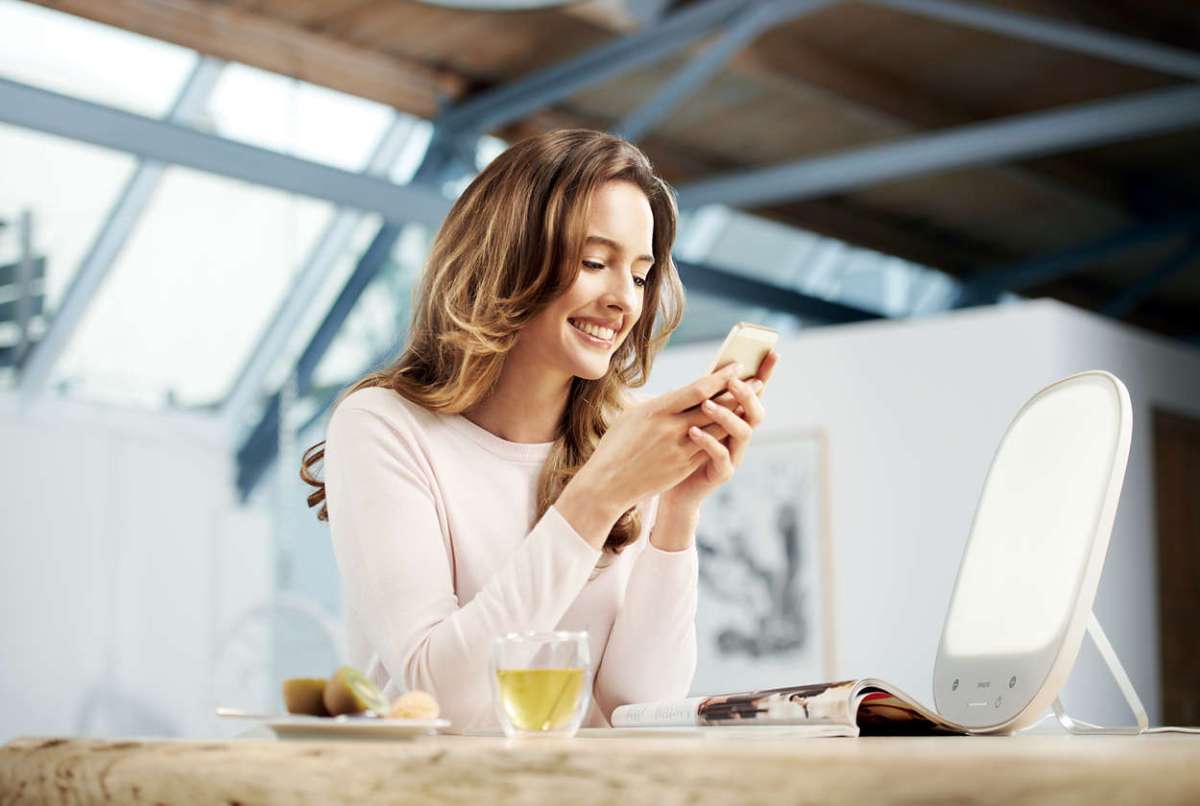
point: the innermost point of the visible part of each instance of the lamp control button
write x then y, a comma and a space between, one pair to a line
998, 701
954, 685
1012, 681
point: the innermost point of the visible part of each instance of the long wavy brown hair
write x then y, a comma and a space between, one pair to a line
511, 243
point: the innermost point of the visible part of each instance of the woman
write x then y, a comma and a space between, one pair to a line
496, 478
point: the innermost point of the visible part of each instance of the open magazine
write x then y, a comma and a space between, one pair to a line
848, 708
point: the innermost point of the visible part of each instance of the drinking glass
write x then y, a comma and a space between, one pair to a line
541, 682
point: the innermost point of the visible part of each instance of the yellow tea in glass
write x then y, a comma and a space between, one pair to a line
541, 682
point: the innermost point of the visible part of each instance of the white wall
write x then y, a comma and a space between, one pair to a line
125, 559
913, 412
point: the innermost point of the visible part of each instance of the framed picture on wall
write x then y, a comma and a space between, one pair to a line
765, 615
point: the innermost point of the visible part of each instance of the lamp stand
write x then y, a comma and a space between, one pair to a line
1107, 652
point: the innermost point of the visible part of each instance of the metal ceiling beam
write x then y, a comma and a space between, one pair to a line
647, 11
151, 139
1183, 259
331, 244
739, 288
261, 447
93, 270
985, 287
1019, 137
510, 102
744, 29
1067, 36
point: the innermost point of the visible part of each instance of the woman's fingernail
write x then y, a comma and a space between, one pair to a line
694, 431
708, 405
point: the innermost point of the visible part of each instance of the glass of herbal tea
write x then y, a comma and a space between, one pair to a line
541, 682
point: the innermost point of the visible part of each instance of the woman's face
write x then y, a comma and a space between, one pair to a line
579, 331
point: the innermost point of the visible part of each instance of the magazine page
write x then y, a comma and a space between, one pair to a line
883, 710
869, 707
819, 704
658, 714
743, 730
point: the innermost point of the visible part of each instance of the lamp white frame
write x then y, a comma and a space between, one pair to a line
1050, 668
1123, 682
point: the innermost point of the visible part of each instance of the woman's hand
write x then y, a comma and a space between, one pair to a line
645, 451
722, 448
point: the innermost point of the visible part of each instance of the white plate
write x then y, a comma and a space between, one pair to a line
294, 726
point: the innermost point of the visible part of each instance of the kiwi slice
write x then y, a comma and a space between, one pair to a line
305, 695
350, 692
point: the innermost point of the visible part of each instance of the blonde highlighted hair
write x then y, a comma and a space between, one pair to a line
511, 243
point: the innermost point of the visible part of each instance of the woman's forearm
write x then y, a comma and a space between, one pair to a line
675, 524
590, 508
651, 651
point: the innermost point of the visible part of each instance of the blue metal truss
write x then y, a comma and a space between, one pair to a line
1058, 34
398, 137
1183, 259
261, 447
126, 211
751, 22
162, 141
739, 288
643, 47
1021, 136
986, 287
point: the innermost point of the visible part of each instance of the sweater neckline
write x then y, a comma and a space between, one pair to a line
525, 452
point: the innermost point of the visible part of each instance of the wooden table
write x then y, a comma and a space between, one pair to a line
1156, 769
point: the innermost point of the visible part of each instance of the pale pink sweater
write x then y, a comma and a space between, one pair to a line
433, 527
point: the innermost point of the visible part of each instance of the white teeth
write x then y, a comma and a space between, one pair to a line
593, 330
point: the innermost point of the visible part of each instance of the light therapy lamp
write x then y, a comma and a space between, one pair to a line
1028, 577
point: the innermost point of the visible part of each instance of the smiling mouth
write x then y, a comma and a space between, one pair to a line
593, 334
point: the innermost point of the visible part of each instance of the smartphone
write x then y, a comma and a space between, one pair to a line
747, 344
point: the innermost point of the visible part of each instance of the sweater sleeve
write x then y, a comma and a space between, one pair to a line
651, 652
397, 573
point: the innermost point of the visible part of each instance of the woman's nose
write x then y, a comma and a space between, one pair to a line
624, 292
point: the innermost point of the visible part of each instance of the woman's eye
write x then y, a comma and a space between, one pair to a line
591, 264
640, 282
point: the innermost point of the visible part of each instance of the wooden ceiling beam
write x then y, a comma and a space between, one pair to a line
781, 57
613, 15
888, 98
243, 35
897, 102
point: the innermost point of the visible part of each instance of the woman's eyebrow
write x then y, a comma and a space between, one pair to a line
616, 247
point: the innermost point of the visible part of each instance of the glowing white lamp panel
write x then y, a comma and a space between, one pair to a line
1036, 523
